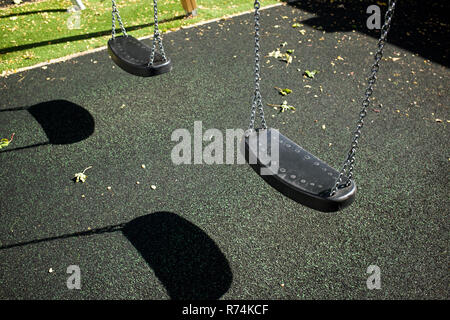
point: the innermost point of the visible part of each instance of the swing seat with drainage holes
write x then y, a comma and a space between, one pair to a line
133, 56
298, 174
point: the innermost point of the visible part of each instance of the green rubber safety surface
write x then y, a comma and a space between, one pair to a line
218, 231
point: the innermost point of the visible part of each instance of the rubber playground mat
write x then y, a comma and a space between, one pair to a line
218, 231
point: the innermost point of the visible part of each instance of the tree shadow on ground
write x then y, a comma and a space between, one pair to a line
32, 12
184, 258
417, 26
63, 122
85, 36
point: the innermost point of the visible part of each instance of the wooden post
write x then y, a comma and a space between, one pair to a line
190, 6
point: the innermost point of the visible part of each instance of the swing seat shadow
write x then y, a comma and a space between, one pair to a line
63, 122
183, 257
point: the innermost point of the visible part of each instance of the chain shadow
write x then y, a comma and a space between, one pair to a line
63, 122
184, 258
82, 36
417, 26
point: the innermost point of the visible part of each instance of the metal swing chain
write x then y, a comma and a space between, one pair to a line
156, 36
257, 99
350, 160
115, 13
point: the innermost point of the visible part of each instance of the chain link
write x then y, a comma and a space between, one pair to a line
156, 36
348, 165
257, 99
115, 13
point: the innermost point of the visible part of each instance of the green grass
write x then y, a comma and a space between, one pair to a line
38, 32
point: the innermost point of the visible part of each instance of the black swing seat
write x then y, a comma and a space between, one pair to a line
133, 56
298, 174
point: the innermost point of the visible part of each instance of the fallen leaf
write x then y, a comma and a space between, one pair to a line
5, 142
288, 59
80, 176
310, 74
284, 92
276, 54
283, 107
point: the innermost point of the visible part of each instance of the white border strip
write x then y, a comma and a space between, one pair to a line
5, 74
